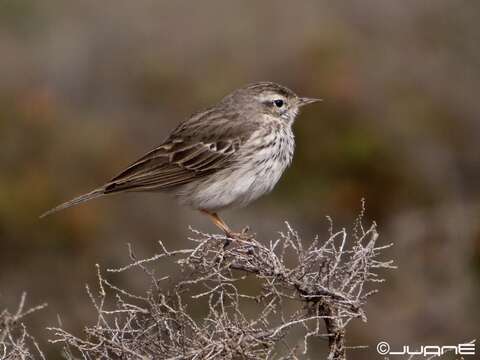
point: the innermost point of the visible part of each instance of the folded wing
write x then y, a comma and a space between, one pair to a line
173, 164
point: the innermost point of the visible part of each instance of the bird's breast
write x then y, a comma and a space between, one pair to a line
269, 150
269, 154
259, 164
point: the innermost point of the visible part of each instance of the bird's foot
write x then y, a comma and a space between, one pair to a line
241, 236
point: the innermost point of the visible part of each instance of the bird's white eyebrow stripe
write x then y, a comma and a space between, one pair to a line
270, 97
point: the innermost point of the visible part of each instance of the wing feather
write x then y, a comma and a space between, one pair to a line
205, 143
173, 164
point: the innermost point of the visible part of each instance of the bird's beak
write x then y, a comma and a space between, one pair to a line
305, 101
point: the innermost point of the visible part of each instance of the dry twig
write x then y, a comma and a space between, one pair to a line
15, 342
317, 290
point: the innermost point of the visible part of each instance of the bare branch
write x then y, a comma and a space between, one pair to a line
316, 289
15, 341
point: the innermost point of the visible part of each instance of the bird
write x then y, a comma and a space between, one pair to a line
225, 156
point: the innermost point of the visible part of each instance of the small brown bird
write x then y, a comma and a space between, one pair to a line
223, 157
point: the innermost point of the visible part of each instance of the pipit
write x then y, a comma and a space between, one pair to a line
223, 157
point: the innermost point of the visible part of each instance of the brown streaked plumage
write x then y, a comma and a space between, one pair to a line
225, 156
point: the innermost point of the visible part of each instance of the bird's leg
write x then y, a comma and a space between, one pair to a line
218, 222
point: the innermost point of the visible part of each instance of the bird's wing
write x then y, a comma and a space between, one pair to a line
174, 163
203, 144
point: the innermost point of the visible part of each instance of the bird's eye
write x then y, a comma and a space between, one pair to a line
278, 103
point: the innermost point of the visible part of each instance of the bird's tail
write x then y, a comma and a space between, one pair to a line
79, 199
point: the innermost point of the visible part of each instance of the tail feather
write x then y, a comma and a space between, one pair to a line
80, 199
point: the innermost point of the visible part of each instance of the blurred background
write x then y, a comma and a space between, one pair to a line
89, 86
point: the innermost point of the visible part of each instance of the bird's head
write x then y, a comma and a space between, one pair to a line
269, 98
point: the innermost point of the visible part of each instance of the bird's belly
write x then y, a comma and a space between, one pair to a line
233, 188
